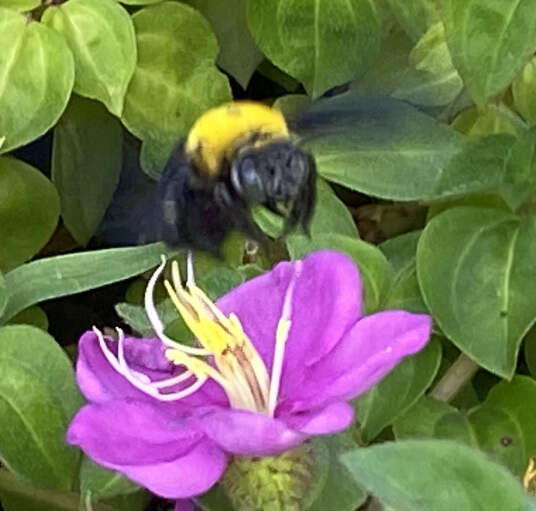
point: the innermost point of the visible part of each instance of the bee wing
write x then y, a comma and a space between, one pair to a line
344, 114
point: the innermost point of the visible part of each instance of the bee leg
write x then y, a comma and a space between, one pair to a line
303, 206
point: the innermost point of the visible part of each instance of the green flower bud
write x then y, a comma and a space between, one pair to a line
289, 482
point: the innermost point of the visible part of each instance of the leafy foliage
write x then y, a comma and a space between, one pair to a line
421, 117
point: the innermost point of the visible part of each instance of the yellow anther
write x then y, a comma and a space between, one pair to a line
530, 476
205, 329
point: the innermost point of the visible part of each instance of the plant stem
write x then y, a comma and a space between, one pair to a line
457, 375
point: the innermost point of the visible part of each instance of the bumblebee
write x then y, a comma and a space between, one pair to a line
235, 156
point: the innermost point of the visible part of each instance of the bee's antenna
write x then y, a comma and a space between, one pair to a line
190, 277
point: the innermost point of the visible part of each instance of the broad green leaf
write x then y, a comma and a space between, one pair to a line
33, 315
38, 398
442, 475
505, 423
490, 41
489, 120
36, 78
139, 2
175, 80
20, 5
524, 91
340, 491
478, 167
29, 211
529, 345
219, 281
3, 294
379, 146
475, 270
376, 272
519, 181
239, 55
431, 79
73, 273
415, 16
18, 495
322, 44
101, 483
405, 292
401, 250
101, 36
429, 418
391, 68
398, 391
86, 179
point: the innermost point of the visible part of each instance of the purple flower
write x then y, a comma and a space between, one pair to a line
276, 362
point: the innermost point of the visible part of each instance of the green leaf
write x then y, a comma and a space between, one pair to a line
478, 167
519, 182
375, 271
340, 491
524, 91
405, 292
415, 16
239, 55
441, 475
505, 425
175, 80
379, 146
86, 179
529, 344
20, 5
429, 418
3, 294
398, 391
432, 79
33, 315
38, 398
17, 495
490, 41
101, 483
322, 44
36, 78
29, 211
489, 120
73, 273
475, 270
101, 36
139, 2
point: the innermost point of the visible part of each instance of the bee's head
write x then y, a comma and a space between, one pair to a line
274, 172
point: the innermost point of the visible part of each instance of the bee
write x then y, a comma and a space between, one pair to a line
235, 156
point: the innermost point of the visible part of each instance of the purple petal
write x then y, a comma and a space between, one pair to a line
100, 382
130, 432
325, 302
330, 419
372, 348
249, 433
184, 477
184, 505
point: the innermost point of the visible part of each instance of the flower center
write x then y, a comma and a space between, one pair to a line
233, 361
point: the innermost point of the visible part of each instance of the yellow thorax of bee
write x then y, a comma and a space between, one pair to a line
219, 131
